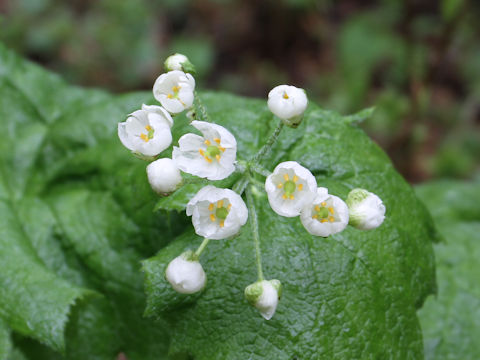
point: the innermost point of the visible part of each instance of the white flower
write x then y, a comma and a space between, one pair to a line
210, 156
264, 295
366, 209
164, 176
174, 90
185, 274
179, 62
147, 131
289, 188
288, 103
325, 215
217, 213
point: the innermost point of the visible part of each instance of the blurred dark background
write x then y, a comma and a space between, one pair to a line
418, 62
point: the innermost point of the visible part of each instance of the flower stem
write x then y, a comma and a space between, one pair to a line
202, 246
241, 184
259, 169
200, 108
254, 225
268, 145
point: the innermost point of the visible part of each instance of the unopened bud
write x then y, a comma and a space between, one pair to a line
366, 209
186, 274
164, 176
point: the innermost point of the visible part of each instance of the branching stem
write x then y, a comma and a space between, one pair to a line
252, 213
268, 145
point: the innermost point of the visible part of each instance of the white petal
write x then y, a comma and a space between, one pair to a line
123, 135
173, 106
268, 301
160, 111
186, 96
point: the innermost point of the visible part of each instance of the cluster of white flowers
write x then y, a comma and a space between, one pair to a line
292, 191
218, 213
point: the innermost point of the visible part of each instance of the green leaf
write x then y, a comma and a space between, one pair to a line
5, 342
352, 295
450, 320
360, 116
76, 219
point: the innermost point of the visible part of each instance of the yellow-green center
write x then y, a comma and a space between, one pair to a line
212, 151
322, 213
221, 213
289, 187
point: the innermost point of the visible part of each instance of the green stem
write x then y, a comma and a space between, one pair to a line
268, 145
200, 108
252, 213
241, 184
260, 170
202, 246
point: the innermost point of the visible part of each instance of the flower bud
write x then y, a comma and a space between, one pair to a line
288, 103
186, 274
164, 176
366, 209
179, 62
264, 295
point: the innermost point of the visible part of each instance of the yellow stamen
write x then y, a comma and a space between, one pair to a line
207, 142
284, 197
280, 185
295, 178
208, 159
331, 210
317, 208
217, 140
292, 197
217, 157
222, 149
210, 207
176, 88
220, 203
285, 96
323, 203
323, 221
144, 137
315, 216
300, 187
148, 128
285, 176
331, 218
212, 217
222, 223
201, 152
229, 206
170, 96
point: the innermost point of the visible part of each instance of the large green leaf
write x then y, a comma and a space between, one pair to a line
450, 320
352, 295
77, 218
